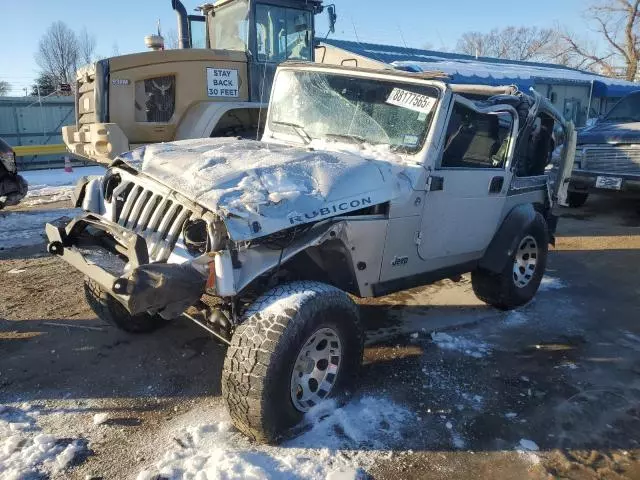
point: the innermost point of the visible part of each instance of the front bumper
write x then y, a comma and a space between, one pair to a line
118, 260
585, 181
101, 142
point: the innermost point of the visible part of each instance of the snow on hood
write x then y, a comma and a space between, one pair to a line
610, 132
261, 188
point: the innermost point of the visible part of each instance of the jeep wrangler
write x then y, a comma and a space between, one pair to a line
365, 182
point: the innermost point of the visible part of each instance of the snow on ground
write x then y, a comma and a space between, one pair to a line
515, 318
21, 229
471, 347
551, 283
26, 452
55, 184
337, 443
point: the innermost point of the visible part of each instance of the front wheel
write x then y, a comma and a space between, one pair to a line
299, 344
519, 280
113, 312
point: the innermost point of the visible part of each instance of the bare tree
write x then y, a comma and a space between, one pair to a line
57, 53
86, 46
171, 40
4, 88
511, 43
618, 24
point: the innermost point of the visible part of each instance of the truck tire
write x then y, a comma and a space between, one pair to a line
299, 343
577, 199
113, 312
518, 282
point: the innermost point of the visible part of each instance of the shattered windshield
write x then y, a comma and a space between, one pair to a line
331, 107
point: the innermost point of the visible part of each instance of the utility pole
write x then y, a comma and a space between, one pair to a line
44, 133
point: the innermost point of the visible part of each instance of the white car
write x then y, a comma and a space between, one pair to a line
365, 182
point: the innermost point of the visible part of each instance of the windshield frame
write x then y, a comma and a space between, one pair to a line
397, 78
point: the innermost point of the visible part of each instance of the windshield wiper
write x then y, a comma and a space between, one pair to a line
345, 136
299, 129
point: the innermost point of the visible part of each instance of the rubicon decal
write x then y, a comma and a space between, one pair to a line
329, 210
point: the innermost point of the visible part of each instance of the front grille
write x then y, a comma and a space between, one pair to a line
155, 99
156, 216
623, 159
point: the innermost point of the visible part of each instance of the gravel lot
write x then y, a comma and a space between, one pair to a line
450, 387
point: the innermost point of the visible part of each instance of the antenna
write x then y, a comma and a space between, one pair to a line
402, 36
355, 31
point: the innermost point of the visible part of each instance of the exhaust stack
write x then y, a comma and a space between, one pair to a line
183, 24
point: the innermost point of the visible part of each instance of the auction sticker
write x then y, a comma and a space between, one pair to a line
412, 101
222, 82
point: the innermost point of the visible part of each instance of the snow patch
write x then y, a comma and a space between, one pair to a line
528, 445
100, 418
336, 444
25, 452
55, 184
20, 229
496, 69
551, 283
473, 348
515, 318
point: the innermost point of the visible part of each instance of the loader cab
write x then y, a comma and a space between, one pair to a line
269, 31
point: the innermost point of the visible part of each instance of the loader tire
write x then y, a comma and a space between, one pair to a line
519, 280
299, 343
113, 312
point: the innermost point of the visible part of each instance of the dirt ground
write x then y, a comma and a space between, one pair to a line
563, 371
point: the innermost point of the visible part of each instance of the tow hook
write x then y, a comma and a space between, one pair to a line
55, 248
120, 286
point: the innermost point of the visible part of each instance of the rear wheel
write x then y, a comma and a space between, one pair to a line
519, 280
300, 344
113, 312
577, 199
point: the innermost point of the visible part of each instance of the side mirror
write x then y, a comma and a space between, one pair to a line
331, 13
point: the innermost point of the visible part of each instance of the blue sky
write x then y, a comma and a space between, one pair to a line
123, 23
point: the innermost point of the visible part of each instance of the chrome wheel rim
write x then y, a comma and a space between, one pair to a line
316, 369
525, 262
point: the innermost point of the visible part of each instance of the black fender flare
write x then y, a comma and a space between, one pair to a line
505, 240
77, 196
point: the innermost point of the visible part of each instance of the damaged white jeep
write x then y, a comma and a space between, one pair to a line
365, 183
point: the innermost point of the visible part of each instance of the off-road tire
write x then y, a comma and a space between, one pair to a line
500, 290
256, 378
577, 199
113, 312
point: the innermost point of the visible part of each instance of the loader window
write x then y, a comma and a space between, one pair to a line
231, 27
283, 34
476, 140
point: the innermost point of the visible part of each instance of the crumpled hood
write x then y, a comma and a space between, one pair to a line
260, 188
606, 132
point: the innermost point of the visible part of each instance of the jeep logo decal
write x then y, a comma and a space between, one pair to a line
398, 261
329, 210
